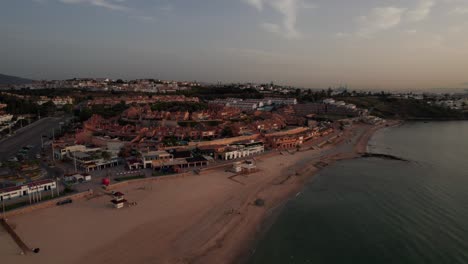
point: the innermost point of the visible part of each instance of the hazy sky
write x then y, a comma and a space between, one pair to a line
315, 44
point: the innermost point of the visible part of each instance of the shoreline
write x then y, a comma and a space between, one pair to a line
206, 218
246, 247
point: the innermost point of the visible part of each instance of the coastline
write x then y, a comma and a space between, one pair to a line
238, 240
208, 218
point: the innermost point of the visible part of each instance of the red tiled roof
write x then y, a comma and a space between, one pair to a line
10, 189
40, 182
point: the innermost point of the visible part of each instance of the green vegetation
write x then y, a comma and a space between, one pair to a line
102, 110
386, 107
179, 106
17, 106
129, 178
211, 93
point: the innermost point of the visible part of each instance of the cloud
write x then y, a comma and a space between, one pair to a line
421, 12
288, 10
272, 28
380, 19
258, 4
143, 18
342, 35
460, 10
115, 5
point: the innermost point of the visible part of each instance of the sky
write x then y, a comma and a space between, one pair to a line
364, 44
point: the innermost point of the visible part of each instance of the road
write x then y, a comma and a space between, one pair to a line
30, 135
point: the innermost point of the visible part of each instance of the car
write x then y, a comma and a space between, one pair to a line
66, 201
23, 151
13, 159
38, 156
30, 146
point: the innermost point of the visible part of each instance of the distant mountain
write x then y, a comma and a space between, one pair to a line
7, 79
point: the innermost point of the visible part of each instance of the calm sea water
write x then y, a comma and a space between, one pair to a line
382, 211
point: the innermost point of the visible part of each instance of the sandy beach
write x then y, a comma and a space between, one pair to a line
207, 218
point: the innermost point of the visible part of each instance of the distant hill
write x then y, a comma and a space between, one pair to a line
7, 79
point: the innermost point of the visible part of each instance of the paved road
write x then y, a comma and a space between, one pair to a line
30, 135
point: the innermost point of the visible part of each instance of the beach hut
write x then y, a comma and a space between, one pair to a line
118, 200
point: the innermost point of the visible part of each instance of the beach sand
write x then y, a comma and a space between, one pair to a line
207, 218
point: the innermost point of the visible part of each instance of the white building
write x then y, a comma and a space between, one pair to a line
27, 189
282, 101
91, 161
67, 151
237, 151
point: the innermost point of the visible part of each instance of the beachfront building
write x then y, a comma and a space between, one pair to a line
27, 189
134, 163
62, 151
155, 157
91, 161
241, 150
196, 162
287, 139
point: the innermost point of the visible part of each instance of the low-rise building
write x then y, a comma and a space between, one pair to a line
241, 150
287, 139
158, 156
91, 161
27, 189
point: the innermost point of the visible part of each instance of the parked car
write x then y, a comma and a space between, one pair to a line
38, 156
13, 159
66, 201
77, 178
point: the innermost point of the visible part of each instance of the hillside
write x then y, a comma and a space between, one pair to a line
8, 79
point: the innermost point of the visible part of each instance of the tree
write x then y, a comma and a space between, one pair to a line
47, 108
68, 108
106, 155
85, 114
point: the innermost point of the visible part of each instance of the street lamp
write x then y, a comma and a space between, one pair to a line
42, 140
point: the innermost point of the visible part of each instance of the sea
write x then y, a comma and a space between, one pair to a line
372, 210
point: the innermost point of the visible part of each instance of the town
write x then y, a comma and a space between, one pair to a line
124, 130
97, 138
